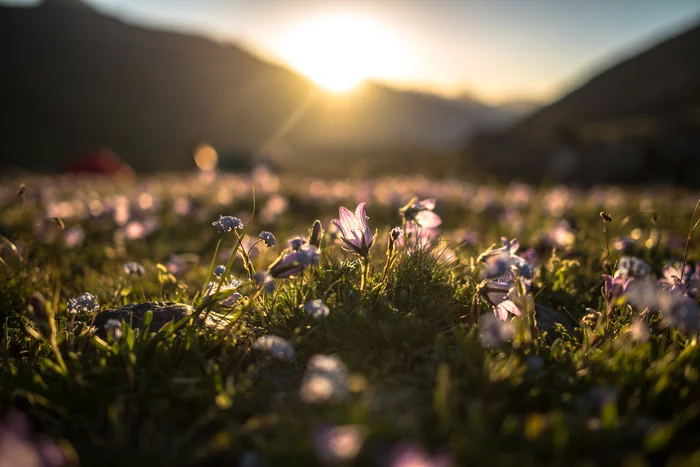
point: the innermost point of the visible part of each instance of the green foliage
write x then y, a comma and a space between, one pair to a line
196, 394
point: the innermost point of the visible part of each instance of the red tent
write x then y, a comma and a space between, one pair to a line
98, 161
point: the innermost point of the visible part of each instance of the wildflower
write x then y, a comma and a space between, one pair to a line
227, 290
561, 236
686, 283
19, 449
227, 224
316, 234
639, 331
268, 238
421, 213
338, 444
354, 230
412, 455
396, 233
326, 379
132, 268
74, 236
295, 262
494, 331
219, 270
113, 328
631, 267
276, 347
264, 279
614, 287
316, 308
296, 244
85, 303
510, 247
679, 311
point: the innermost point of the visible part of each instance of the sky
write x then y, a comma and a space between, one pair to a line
494, 50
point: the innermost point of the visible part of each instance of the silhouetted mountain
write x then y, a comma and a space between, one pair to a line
74, 79
638, 121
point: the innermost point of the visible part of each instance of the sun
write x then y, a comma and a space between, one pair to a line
340, 50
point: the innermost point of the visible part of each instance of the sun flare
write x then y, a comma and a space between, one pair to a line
339, 51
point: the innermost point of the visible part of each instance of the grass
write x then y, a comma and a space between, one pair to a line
419, 370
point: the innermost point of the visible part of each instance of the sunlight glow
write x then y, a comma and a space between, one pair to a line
340, 50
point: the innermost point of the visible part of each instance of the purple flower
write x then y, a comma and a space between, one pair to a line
268, 238
132, 268
276, 347
294, 262
264, 279
687, 283
510, 247
19, 449
631, 267
316, 308
86, 302
113, 328
421, 213
494, 331
296, 243
354, 230
325, 380
338, 444
412, 455
219, 270
614, 287
227, 224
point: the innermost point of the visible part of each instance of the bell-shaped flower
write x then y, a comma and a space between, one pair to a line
354, 230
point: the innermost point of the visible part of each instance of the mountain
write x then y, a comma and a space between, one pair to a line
638, 121
75, 79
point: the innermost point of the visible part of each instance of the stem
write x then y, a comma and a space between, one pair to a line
691, 229
365, 274
246, 259
607, 246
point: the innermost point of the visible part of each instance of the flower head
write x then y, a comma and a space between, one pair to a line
614, 287
268, 238
294, 262
113, 328
19, 449
338, 444
275, 346
219, 270
316, 308
412, 455
85, 303
631, 267
686, 283
326, 379
296, 243
354, 230
494, 331
264, 279
132, 268
227, 224
421, 213
396, 233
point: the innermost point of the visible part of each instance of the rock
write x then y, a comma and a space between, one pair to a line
163, 313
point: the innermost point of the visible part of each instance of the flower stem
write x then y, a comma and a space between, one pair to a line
365, 274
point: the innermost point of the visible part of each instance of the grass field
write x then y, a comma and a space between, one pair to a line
442, 346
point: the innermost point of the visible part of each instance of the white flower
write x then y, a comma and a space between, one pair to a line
316, 308
325, 380
276, 347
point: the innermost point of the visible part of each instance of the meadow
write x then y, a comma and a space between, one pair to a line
209, 319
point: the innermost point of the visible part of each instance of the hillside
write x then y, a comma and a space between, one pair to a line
76, 79
636, 121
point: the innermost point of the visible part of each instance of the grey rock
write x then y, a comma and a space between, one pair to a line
547, 317
163, 313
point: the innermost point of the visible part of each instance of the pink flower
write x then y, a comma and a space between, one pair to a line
354, 230
413, 455
421, 212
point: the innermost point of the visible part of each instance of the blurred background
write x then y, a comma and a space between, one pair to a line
582, 92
